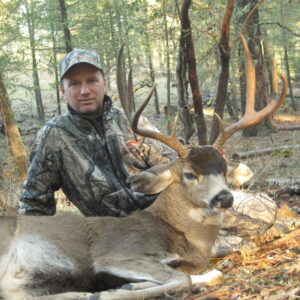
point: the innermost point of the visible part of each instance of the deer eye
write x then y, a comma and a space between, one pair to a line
189, 176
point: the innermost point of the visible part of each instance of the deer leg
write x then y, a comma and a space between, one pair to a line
61, 296
145, 277
210, 278
133, 286
147, 290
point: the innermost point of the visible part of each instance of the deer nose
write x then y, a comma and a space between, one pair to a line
223, 200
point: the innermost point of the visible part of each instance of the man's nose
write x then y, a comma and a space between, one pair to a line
84, 89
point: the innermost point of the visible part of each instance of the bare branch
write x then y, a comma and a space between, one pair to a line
282, 26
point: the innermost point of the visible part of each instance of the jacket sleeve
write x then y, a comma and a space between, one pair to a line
121, 204
43, 178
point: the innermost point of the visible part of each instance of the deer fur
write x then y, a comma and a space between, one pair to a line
151, 252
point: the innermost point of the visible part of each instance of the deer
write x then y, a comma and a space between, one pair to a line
161, 249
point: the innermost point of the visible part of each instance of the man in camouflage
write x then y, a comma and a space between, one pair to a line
86, 153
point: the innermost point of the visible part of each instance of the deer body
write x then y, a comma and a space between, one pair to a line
160, 245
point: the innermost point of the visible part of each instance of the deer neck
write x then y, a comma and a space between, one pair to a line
174, 208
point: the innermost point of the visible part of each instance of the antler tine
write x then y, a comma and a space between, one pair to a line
122, 88
174, 129
170, 140
250, 78
275, 78
130, 94
221, 124
251, 117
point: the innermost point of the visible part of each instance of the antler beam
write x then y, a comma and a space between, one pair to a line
251, 117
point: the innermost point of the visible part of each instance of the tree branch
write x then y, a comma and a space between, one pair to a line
244, 26
282, 26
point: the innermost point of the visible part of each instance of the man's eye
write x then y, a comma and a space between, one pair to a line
189, 176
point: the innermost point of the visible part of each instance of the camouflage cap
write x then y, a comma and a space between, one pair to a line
78, 56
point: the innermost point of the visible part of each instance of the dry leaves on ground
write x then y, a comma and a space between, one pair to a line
271, 271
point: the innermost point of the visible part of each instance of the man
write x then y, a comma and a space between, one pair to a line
83, 151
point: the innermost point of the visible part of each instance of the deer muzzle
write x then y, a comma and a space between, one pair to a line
224, 199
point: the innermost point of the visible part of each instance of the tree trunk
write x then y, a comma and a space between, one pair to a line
231, 104
286, 59
193, 78
224, 51
35, 75
262, 82
120, 34
182, 91
64, 20
12, 133
152, 73
167, 55
119, 23
127, 37
112, 31
55, 68
269, 64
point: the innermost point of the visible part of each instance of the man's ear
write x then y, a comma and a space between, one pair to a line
62, 90
105, 86
61, 87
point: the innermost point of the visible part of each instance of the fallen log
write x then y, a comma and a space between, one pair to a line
260, 152
289, 128
284, 181
290, 190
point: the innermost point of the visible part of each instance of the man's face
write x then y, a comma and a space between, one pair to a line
84, 88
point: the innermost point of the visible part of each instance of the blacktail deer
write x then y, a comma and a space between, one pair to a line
160, 249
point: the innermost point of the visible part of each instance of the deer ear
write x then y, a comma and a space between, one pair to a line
238, 175
152, 181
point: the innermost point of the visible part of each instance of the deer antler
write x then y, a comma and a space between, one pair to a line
251, 117
126, 98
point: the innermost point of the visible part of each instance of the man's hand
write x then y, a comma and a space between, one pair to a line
148, 154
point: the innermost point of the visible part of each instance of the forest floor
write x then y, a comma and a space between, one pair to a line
270, 271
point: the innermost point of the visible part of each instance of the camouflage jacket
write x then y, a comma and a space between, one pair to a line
89, 160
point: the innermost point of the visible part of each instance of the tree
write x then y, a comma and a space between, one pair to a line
30, 18
55, 67
167, 55
224, 51
12, 133
193, 78
152, 73
286, 57
64, 20
182, 90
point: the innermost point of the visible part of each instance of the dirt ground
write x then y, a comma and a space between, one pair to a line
271, 271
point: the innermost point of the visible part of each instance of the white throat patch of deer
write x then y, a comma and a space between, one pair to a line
157, 250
